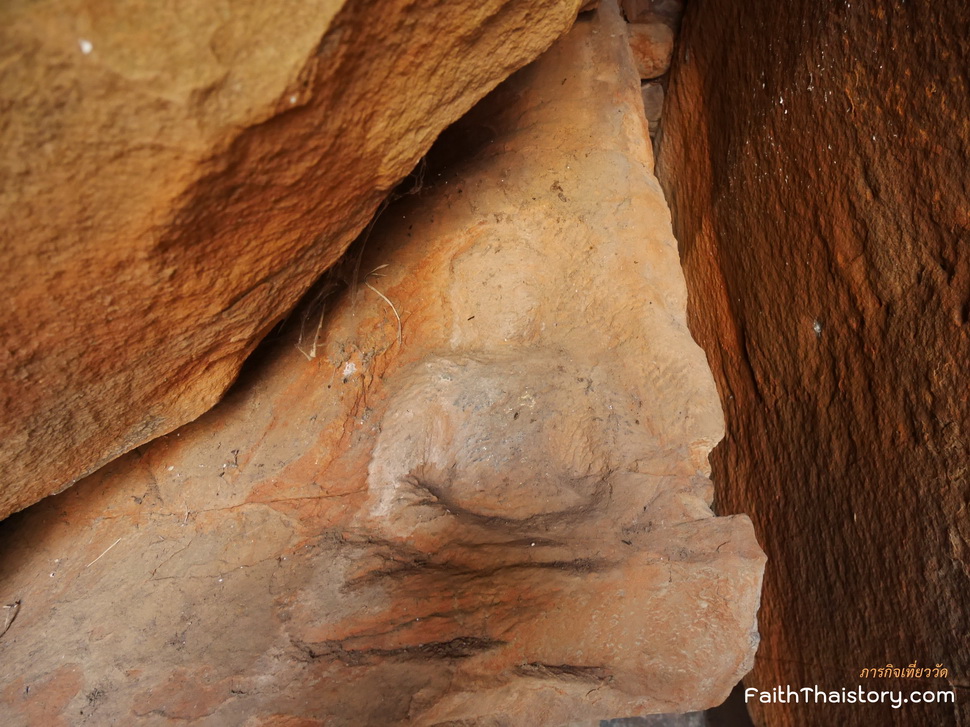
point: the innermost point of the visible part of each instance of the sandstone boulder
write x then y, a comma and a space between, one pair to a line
653, 46
469, 490
173, 179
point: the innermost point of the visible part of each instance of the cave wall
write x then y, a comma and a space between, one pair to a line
814, 156
173, 180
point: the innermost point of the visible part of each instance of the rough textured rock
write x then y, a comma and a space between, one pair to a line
172, 182
480, 494
653, 105
815, 159
653, 46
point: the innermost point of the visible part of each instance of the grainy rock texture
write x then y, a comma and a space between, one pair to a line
172, 181
815, 156
477, 491
652, 45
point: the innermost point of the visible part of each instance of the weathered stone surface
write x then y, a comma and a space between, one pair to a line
653, 46
171, 183
480, 496
653, 104
815, 156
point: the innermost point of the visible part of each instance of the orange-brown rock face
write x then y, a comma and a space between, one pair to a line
652, 45
815, 159
172, 182
476, 491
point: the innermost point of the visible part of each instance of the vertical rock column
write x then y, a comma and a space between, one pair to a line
815, 155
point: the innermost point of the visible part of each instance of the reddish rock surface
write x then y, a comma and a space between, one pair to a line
172, 182
652, 45
475, 493
815, 158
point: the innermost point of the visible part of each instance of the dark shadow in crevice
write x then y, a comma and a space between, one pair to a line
305, 326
